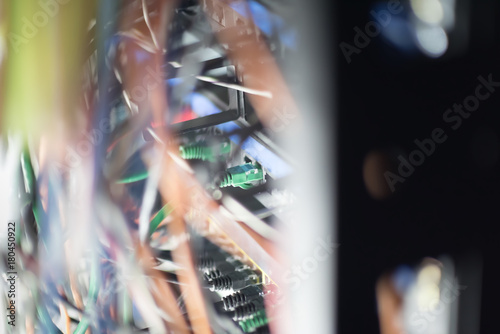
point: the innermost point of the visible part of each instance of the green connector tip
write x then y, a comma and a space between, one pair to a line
242, 176
210, 153
257, 320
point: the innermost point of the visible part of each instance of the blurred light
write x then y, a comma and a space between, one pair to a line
375, 165
402, 278
428, 287
399, 32
429, 11
430, 273
433, 40
449, 13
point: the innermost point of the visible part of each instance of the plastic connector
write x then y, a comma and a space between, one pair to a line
234, 281
206, 152
241, 297
212, 260
243, 176
224, 269
257, 320
248, 310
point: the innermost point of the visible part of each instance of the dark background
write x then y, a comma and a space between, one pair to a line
450, 205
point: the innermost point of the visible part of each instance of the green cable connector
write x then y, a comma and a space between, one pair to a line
257, 320
204, 152
242, 176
